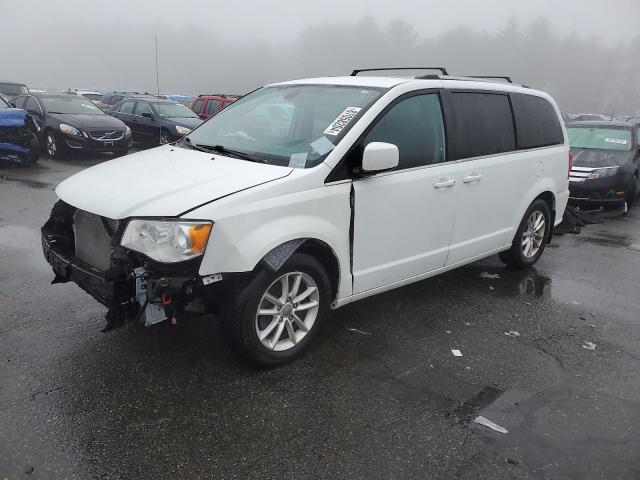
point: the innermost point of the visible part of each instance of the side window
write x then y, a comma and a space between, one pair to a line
32, 106
127, 107
143, 107
213, 106
20, 102
480, 124
198, 106
415, 126
536, 122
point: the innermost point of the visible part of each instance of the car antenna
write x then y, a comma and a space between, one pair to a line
155, 38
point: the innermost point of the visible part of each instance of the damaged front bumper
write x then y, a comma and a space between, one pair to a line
132, 287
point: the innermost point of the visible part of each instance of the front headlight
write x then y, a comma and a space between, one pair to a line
68, 129
127, 131
603, 173
167, 241
182, 130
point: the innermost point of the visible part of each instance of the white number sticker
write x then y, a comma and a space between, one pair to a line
342, 121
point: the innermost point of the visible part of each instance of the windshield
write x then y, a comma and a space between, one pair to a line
70, 105
13, 88
288, 125
4, 103
174, 110
600, 138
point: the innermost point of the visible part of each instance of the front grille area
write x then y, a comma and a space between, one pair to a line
92, 239
580, 174
107, 135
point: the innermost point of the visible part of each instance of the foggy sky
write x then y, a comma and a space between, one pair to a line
237, 46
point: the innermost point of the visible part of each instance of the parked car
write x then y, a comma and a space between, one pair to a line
154, 121
18, 136
273, 227
13, 89
5, 102
606, 162
72, 123
92, 95
207, 105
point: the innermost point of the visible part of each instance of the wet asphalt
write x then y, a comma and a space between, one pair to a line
379, 394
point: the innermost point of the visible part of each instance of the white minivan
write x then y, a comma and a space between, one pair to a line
304, 196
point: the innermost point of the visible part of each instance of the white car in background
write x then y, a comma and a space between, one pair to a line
271, 219
91, 95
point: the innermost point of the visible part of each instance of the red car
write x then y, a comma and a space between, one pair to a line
207, 105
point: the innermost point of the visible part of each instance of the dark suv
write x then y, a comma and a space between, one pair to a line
154, 121
207, 105
606, 162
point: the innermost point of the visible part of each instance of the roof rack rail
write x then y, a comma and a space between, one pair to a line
223, 95
489, 77
360, 70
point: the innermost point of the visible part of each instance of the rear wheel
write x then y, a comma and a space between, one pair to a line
276, 316
530, 238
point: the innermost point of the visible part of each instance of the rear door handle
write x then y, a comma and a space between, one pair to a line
444, 183
472, 178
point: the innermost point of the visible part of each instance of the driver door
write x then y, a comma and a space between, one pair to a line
403, 219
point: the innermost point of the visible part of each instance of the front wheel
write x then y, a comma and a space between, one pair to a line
530, 238
631, 192
52, 145
276, 316
165, 137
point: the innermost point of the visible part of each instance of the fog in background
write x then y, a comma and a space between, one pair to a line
584, 52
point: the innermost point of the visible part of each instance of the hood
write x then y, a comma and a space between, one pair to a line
599, 158
164, 181
87, 121
186, 122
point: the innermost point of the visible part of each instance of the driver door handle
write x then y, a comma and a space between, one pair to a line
472, 178
444, 183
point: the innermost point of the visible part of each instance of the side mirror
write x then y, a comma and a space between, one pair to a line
148, 115
378, 156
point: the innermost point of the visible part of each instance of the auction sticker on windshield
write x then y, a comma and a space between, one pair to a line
342, 121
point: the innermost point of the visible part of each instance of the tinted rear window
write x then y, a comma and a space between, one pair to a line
536, 121
481, 124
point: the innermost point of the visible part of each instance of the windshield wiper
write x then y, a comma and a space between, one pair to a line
224, 150
188, 141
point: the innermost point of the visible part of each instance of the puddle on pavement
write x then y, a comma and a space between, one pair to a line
609, 240
466, 411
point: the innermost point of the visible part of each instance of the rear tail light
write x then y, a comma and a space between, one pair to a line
570, 163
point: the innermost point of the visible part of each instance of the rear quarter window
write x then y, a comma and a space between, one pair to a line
537, 122
480, 124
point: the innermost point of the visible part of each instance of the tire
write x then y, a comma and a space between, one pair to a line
52, 145
165, 136
529, 236
243, 326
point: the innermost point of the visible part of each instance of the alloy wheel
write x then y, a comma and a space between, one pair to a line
52, 147
533, 234
287, 311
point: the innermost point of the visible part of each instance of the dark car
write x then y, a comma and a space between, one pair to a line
154, 121
207, 105
72, 123
13, 89
606, 162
